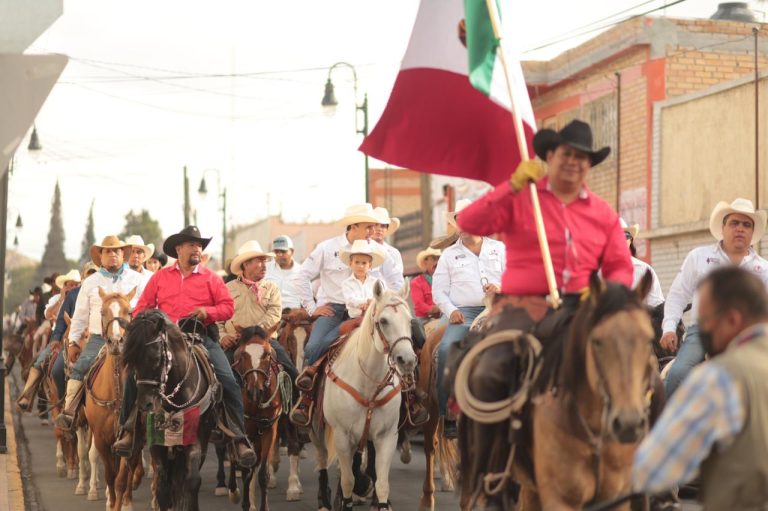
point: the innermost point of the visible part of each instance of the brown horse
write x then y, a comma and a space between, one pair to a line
573, 444
26, 354
102, 403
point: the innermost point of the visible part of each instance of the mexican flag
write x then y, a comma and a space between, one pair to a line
179, 428
439, 118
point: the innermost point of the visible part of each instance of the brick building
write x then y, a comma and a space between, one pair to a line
618, 82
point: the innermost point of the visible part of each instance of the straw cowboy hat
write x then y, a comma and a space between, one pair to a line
576, 134
632, 230
385, 219
248, 250
110, 241
189, 233
362, 247
358, 214
137, 241
421, 256
89, 266
742, 207
450, 216
61, 280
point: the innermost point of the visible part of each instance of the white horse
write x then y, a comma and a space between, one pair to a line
362, 395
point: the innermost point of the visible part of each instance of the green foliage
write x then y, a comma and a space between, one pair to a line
20, 281
54, 259
145, 226
89, 238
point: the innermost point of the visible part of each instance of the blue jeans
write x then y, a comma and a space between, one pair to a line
38, 363
87, 357
325, 330
58, 373
453, 334
690, 354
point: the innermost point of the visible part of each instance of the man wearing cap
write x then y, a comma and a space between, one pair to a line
283, 270
424, 306
256, 300
736, 227
140, 253
182, 291
391, 272
69, 285
655, 295
114, 276
467, 272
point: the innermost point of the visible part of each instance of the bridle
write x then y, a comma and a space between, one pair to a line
388, 347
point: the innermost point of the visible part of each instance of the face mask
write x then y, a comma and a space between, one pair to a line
707, 342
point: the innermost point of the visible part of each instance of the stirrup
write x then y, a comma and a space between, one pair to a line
309, 412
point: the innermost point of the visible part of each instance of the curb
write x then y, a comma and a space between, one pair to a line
11, 489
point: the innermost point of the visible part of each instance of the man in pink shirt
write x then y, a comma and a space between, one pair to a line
188, 291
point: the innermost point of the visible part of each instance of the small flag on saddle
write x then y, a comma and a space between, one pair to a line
169, 430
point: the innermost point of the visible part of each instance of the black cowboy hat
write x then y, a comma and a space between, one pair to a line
189, 233
36, 291
576, 134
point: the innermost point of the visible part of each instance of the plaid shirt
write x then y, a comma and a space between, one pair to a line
707, 410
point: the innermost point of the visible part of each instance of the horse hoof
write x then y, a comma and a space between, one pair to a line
234, 497
221, 491
45, 422
272, 483
283, 451
127, 507
80, 490
405, 456
446, 486
61, 471
293, 495
93, 495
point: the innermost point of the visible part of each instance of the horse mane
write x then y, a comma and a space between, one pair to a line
145, 327
612, 299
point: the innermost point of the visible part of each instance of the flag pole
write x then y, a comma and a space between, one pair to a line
549, 270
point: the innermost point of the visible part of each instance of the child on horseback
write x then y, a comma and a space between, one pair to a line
358, 287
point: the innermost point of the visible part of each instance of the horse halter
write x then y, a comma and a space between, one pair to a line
389, 346
166, 363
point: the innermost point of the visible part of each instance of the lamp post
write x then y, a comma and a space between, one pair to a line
203, 191
329, 100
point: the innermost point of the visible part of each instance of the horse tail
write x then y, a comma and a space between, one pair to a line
448, 457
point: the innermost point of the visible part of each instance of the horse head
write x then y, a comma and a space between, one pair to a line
613, 333
391, 320
253, 363
115, 316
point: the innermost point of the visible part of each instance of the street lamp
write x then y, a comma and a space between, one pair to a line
202, 190
329, 100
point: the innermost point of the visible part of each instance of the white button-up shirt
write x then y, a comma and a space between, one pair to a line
697, 264
145, 275
88, 304
655, 295
391, 271
358, 293
285, 281
323, 262
460, 274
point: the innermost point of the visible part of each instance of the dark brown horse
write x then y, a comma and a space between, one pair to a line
575, 440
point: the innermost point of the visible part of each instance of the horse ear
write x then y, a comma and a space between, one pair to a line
644, 286
596, 286
131, 294
378, 290
102, 293
406, 291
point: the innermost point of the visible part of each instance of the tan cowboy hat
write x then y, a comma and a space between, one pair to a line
61, 280
450, 216
742, 207
247, 250
434, 252
89, 266
110, 241
359, 213
385, 219
137, 241
632, 230
362, 247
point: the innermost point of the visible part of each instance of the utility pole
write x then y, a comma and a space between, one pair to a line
186, 198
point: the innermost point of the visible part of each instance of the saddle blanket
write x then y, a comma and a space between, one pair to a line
169, 430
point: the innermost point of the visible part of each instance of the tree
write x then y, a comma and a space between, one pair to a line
54, 259
145, 226
89, 238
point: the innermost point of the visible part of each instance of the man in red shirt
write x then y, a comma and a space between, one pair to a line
185, 290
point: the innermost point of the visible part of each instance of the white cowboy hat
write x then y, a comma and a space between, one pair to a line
357, 214
61, 280
248, 250
385, 219
632, 230
111, 241
742, 207
434, 252
137, 241
362, 247
450, 216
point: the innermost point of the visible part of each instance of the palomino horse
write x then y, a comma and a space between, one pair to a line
176, 386
361, 395
102, 402
573, 444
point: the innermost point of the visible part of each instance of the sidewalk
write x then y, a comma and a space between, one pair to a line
11, 491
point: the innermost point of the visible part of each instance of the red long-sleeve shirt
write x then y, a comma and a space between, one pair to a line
421, 296
583, 236
178, 296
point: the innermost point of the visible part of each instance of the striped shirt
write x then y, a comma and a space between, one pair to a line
707, 410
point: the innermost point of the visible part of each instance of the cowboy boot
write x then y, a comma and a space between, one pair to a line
246, 457
301, 415
123, 446
417, 412
71, 403
306, 379
244, 454
24, 403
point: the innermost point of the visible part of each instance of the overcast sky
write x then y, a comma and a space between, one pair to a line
149, 89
